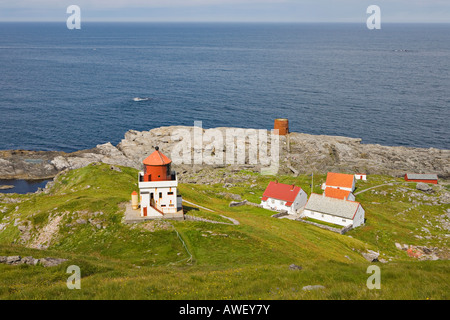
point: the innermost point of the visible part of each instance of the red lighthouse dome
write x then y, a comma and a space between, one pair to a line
157, 167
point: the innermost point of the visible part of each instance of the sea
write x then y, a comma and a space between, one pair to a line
68, 90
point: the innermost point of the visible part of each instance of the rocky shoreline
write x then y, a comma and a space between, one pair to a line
300, 153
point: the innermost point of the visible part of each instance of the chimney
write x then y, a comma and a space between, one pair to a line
292, 188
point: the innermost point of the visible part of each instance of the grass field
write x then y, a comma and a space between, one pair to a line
246, 261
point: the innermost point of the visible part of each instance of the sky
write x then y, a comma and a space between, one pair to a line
407, 11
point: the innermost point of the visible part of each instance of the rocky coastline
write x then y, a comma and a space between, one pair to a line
298, 154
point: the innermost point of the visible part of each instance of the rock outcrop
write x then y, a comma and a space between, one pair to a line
300, 153
17, 260
423, 187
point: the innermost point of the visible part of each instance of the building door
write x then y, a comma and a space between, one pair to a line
152, 200
145, 211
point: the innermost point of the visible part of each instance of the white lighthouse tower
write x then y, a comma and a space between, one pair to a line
158, 188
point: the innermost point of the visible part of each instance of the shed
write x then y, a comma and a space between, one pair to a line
427, 178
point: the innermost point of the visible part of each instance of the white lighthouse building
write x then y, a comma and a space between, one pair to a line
158, 188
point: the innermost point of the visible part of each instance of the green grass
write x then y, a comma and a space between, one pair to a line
245, 261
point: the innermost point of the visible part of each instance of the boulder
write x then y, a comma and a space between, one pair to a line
13, 259
295, 267
30, 260
231, 196
81, 221
46, 262
280, 214
314, 287
237, 204
423, 187
371, 256
115, 168
51, 262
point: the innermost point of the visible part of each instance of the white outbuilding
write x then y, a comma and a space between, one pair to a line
361, 176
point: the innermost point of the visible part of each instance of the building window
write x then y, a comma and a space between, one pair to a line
163, 205
343, 220
323, 216
170, 205
160, 195
273, 201
170, 193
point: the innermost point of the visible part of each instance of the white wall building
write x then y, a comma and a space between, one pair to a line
283, 197
158, 188
158, 197
340, 181
336, 211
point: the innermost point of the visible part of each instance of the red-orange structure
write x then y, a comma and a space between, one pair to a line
282, 125
157, 167
426, 178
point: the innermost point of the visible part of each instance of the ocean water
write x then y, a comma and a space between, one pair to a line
67, 90
22, 186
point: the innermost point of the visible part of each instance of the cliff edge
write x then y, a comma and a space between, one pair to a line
298, 153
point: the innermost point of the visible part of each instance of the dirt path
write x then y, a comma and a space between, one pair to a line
380, 185
234, 221
196, 205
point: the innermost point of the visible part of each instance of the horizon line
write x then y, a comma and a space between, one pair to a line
225, 21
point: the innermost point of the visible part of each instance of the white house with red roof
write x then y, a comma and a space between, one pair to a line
283, 197
337, 211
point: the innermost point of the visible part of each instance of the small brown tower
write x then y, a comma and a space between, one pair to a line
282, 125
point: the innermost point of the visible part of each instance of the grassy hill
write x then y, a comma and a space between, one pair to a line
80, 218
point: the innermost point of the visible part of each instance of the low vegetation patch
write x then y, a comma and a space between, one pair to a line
202, 260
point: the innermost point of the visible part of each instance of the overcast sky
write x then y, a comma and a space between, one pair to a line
227, 10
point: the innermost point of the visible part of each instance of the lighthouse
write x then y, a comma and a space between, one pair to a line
158, 188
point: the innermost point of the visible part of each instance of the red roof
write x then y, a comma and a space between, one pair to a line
281, 191
157, 158
336, 193
339, 180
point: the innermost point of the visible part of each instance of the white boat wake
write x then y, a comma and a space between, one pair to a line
140, 99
